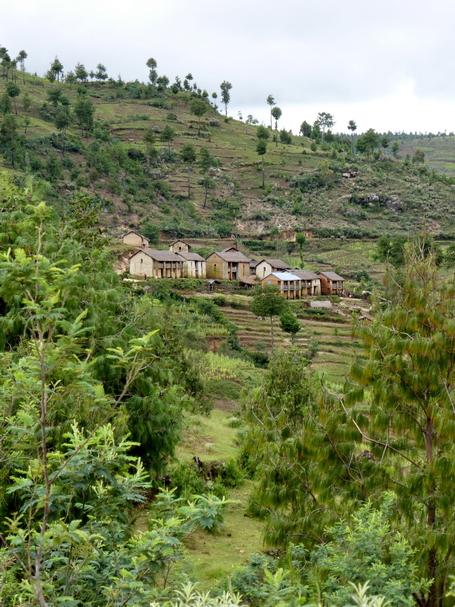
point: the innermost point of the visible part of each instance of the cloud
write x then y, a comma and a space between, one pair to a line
321, 54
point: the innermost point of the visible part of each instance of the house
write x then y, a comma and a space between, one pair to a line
156, 264
290, 285
267, 266
179, 246
311, 283
228, 265
331, 283
194, 265
135, 239
253, 266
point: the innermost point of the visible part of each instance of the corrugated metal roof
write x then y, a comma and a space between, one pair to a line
306, 274
284, 276
191, 256
331, 275
162, 255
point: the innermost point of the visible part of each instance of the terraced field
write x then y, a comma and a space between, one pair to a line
330, 341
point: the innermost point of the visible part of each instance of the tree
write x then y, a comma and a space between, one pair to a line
300, 239
167, 135
101, 72
149, 140
305, 129
391, 428
285, 137
385, 142
63, 120
152, 232
325, 122
80, 73
271, 101
262, 132
395, 148
261, 149
419, 157
9, 136
352, 126
54, 96
276, 113
56, 69
13, 91
209, 184
367, 142
198, 107
188, 155
225, 87
84, 111
162, 82
22, 56
267, 302
206, 162
289, 323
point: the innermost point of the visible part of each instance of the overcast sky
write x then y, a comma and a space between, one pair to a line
387, 64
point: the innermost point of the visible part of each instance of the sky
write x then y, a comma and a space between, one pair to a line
387, 64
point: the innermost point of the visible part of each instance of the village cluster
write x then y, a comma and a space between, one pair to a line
229, 264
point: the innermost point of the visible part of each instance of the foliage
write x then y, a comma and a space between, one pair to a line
366, 549
267, 302
289, 323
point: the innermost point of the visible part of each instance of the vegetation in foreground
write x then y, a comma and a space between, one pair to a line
352, 484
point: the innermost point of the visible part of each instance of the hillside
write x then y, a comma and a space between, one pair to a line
104, 154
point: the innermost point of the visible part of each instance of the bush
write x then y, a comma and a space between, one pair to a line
214, 122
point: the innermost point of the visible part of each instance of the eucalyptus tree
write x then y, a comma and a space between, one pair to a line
325, 122
225, 87
22, 56
352, 126
276, 113
271, 101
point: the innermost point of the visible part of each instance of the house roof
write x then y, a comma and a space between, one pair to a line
277, 263
178, 240
283, 276
190, 256
306, 274
233, 257
249, 280
229, 250
253, 263
331, 275
134, 232
161, 255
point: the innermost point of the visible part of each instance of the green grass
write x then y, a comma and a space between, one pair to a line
214, 558
210, 438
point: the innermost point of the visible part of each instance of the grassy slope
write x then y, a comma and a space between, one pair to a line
240, 198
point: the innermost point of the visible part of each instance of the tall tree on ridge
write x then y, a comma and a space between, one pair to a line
276, 113
271, 101
225, 87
